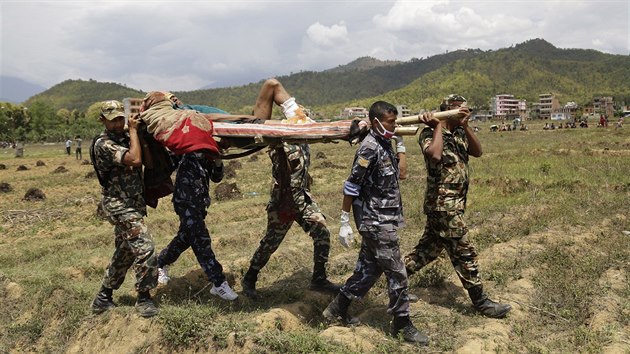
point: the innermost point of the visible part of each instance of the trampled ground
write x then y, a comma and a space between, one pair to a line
547, 210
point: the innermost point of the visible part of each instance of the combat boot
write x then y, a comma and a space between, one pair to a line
145, 306
337, 310
103, 301
485, 306
402, 326
249, 284
320, 281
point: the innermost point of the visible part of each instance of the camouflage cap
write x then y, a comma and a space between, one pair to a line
454, 98
111, 110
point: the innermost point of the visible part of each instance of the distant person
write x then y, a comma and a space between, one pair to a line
19, 148
372, 192
619, 123
447, 146
77, 151
68, 146
117, 159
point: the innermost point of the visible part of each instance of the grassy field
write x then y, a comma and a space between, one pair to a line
546, 209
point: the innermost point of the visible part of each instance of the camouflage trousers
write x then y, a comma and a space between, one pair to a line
380, 253
448, 231
134, 247
279, 220
193, 233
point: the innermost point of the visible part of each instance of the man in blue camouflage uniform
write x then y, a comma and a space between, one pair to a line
191, 199
447, 145
291, 200
117, 159
373, 194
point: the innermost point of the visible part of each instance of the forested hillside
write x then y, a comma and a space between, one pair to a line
525, 70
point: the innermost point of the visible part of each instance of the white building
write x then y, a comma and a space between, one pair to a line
505, 106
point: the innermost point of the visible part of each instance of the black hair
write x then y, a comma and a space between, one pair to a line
380, 108
443, 106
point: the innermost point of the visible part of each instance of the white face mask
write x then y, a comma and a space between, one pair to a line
385, 133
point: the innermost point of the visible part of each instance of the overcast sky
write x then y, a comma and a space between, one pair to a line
187, 45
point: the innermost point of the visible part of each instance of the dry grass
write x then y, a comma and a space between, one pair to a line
546, 210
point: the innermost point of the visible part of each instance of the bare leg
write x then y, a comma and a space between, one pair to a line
271, 91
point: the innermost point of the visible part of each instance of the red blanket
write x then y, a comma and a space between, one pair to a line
181, 131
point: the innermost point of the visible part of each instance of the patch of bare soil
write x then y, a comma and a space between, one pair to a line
227, 191
229, 173
320, 155
329, 164
60, 169
234, 164
360, 338
609, 308
114, 332
5, 187
34, 194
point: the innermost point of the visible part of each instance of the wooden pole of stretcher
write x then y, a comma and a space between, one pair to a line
453, 113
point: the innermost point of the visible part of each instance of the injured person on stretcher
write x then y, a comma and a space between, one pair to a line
186, 130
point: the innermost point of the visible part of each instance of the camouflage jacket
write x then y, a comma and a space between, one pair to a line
447, 180
290, 164
374, 183
123, 191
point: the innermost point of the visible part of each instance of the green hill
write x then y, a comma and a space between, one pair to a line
80, 94
524, 70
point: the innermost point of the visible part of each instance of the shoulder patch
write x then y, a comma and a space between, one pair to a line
363, 162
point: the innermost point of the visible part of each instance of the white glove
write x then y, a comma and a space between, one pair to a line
345, 231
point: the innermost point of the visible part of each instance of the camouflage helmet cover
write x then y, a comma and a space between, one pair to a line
454, 98
112, 109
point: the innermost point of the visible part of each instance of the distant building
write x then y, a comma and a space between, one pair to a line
481, 116
403, 111
132, 105
547, 103
507, 107
354, 112
604, 105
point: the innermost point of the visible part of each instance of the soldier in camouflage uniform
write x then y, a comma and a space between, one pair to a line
191, 199
373, 193
117, 159
291, 200
446, 146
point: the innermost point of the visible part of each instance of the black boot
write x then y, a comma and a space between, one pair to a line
337, 310
103, 301
402, 326
249, 283
145, 306
320, 283
485, 306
